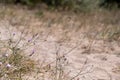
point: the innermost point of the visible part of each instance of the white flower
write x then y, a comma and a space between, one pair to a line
8, 65
0, 63
6, 55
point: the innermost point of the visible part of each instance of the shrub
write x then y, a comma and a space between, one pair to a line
110, 3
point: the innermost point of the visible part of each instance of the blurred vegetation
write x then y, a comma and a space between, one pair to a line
69, 4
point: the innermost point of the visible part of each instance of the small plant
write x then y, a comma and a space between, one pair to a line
13, 61
111, 33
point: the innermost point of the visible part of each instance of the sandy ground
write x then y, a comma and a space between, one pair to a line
100, 58
103, 60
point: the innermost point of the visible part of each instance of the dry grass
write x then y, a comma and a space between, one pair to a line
14, 64
65, 28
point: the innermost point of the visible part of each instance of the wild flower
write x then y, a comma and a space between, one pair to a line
13, 34
33, 51
6, 55
1, 63
8, 66
29, 40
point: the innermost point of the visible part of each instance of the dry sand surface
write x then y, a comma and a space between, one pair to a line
96, 58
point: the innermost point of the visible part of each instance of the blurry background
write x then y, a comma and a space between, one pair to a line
76, 5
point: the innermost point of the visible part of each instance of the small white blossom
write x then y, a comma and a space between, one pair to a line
8, 65
6, 55
0, 63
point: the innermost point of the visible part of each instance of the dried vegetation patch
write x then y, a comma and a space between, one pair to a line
68, 46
